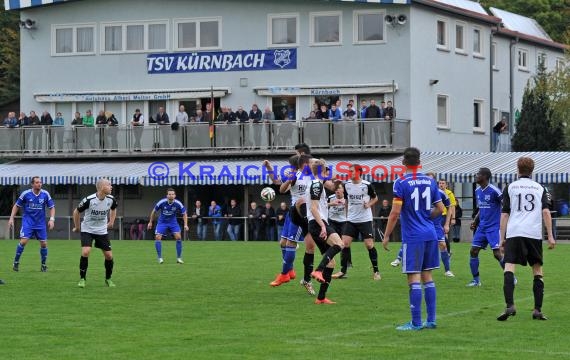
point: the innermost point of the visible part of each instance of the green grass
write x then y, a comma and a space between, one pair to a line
219, 306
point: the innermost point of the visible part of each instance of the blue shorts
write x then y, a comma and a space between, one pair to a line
440, 233
482, 238
164, 228
27, 233
291, 231
420, 256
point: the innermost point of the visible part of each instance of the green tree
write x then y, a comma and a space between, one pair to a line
552, 15
9, 56
539, 129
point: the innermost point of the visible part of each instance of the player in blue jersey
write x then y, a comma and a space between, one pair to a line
442, 224
417, 202
489, 199
33, 203
169, 208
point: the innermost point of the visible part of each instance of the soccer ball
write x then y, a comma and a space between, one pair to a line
267, 194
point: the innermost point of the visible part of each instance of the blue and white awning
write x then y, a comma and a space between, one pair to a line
455, 167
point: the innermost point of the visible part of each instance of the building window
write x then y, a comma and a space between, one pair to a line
73, 39
494, 55
368, 27
460, 37
134, 37
443, 111
442, 36
541, 60
283, 29
284, 107
477, 114
325, 28
522, 58
198, 34
477, 42
560, 64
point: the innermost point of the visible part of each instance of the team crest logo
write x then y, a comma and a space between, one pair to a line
487, 197
282, 58
41, 201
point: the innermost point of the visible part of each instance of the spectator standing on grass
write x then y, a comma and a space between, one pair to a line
215, 212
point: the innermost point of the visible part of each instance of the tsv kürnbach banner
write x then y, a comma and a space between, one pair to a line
222, 61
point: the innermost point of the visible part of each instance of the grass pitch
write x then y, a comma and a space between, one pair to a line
219, 305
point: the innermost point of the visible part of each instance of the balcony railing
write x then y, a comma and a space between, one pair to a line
230, 139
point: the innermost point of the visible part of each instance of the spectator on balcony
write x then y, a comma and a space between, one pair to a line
334, 113
198, 214
363, 107
199, 116
280, 215
11, 122
255, 116
23, 119
373, 111
57, 131
350, 113
215, 212
338, 105
312, 116
268, 115
163, 120
112, 130
182, 116
373, 132
89, 121
77, 122
242, 115
390, 112
77, 119
47, 120
323, 114
101, 123
268, 218
36, 132
137, 124
504, 141
234, 221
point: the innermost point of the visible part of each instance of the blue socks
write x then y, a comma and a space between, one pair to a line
158, 247
429, 295
288, 259
178, 248
445, 259
19, 251
416, 303
474, 264
43, 255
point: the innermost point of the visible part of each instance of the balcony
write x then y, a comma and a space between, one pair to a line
277, 137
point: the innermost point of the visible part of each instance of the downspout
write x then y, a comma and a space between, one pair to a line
512, 85
491, 59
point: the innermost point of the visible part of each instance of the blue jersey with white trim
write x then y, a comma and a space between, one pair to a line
34, 208
489, 203
168, 211
417, 194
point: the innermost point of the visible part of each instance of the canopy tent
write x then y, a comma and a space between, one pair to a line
455, 167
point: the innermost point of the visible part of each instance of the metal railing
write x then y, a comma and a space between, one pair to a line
274, 136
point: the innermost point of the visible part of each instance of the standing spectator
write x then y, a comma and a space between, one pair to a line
57, 131
137, 230
137, 123
77, 119
390, 113
89, 121
504, 141
36, 132
208, 114
281, 213
372, 132
11, 122
254, 214
46, 120
338, 105
363, 107
269, 220
350, 113
112, 130
456, 228
23, 119
101, 123
198, 214
162, 120
215, 212
75, 123
234, 223
241, 115
335, 113
268, 115
255, 117
199, 116
182, 120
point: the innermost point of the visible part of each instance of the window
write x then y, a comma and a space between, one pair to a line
368, 27
134, 37
477, 42
560, 64
442, 111
325, 28
494, 55
197, 34
478, 114
442, 36
460, 38
541, 60
73, 39
283, 30
522, 59
284, 107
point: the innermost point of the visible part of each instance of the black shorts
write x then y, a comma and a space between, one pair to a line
300, 219
315, 231
338, 226
354, 229
522, 250
101, 241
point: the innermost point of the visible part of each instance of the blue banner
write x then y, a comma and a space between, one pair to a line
222, 61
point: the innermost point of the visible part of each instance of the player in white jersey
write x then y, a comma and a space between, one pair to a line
337, 209
325, 236
525, 207
100, 211
360, 197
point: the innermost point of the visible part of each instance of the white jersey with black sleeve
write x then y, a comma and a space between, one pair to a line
96, 213
524, 201
337, 212
317, 191
358, 194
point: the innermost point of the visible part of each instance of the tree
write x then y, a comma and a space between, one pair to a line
10, 56
539, 129
552, 15
559, 90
